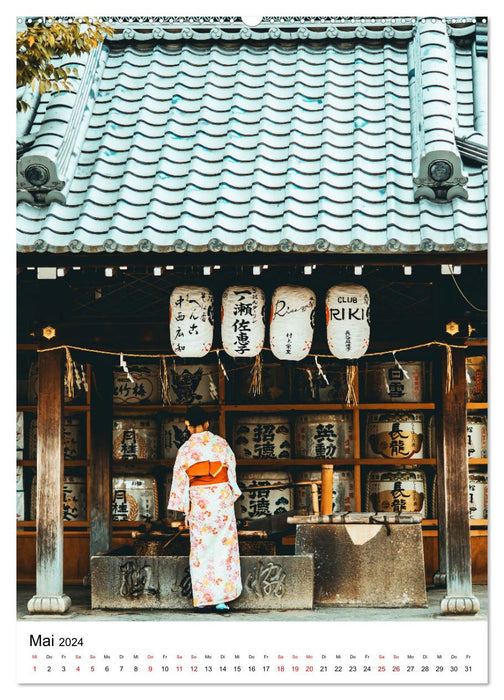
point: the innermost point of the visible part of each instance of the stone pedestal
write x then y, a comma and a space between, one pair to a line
54, 604
364, 564
270, 582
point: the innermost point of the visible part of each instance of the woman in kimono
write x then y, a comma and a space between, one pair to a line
204, 488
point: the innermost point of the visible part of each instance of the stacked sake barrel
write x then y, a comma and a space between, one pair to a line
396, 435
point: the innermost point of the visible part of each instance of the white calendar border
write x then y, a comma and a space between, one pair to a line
329, 630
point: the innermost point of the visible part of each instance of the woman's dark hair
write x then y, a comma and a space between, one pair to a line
196, 415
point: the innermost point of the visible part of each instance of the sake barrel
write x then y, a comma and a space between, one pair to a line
388, 381
262, 502
348, 320
144, 389
292, 321
396, 491
275, 384
74, 498
74, 440
135, 438
193, 383
324, 435
134, 498
20, 506
242, 328
476, 376
191, 321
477, 436
309, 386
174, 433
19, 435
79, 396
262, 437
343, 491
395, 435
478, 496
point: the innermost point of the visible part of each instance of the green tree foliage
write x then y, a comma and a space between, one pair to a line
48, 39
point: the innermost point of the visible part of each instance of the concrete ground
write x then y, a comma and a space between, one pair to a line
81, 610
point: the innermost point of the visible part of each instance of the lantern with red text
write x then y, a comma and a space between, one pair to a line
347, 318
191, 321
243, 321
292, 322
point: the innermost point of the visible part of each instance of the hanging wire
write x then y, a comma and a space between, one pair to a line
462, 293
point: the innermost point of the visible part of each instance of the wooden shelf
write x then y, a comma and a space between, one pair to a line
350, 461
66, 523
160, 408
67, 463
69, 408
477, 406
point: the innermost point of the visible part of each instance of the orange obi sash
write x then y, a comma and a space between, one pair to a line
203, 473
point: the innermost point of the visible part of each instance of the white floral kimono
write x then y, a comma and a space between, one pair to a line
214, 560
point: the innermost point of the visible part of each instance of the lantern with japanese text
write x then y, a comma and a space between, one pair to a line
292, 322
191, 321
347, 318
243, 321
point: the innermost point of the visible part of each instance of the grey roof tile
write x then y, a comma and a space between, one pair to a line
270, 141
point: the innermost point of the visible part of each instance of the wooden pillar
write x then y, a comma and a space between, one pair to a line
49, 597
101, 445
453, 479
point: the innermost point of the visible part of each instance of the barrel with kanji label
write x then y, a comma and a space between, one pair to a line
193, 383
476, 376
74, 438
477, 493
477, 436
310, 385
74, 498
397, 491
141, 386
343, 491
262, 500
262, 437
135, 438
134, 498
395, 435
397, 383
324, 435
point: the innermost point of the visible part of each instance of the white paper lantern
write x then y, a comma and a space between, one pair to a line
292, 322
191, 321
347, 319
243, 321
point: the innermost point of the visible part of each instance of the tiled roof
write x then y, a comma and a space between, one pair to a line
237, 140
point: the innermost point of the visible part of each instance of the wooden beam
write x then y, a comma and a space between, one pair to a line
100, 471
453, 479
49, 597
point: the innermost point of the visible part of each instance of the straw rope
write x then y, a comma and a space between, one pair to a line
256, 371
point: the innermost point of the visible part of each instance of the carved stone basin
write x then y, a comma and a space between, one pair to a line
121, 580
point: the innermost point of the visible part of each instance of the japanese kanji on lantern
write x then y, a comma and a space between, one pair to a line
347, 318
191, 321
243, 321
292, 322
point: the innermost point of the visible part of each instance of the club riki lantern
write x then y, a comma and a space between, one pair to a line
242, 316
292, 322
191, 321
348, 327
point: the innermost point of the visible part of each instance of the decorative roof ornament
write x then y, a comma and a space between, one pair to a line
437, 165
45, 171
